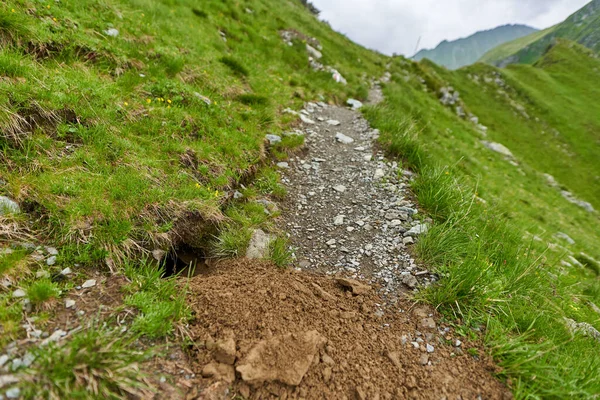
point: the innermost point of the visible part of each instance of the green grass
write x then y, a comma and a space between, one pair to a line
42, 290
280, 253
505, 50
493, 274
96, 130
159, 301
95, 363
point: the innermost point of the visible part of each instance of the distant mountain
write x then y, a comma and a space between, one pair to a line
582, 27
461, 52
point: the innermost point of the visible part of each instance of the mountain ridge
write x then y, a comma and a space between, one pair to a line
465, 51
582, 27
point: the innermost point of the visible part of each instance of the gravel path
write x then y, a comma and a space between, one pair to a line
349, 210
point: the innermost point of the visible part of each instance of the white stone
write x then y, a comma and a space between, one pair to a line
19, 293
52, 251
340, 137
498, 148
66, 271
89, 283
69, 303
259, 244
112, 32
339, 220
51, 260
273, 139
430, 348
333, 122
379, 173
306, 120
355, 104
313, 52
339, 188
283, 165
8, 206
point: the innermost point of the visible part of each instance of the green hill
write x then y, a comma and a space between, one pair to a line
548, 123
131, 128
461, 52
582, 27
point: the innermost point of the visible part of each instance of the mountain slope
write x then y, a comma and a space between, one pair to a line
466, 51
501, 151
582, 27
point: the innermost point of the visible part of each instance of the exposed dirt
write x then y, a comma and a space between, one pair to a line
289, 334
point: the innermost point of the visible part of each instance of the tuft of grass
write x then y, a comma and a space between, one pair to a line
42, 290
96, 362
232, 241
10, 259
160, 302
235, 66
253, 100
280, 253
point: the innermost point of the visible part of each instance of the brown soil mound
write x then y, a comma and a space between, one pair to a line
298, 335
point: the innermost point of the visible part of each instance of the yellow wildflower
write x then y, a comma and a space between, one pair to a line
168, 106
148, 101
169, 101
125, 104
216, 193
54, 19
13, 10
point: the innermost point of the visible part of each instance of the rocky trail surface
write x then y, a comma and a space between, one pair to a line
349, 208
341, 324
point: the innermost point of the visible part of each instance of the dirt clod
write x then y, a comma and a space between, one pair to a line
225, 351
285, 359
355, 286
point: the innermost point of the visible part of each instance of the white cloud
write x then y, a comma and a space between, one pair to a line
394, 26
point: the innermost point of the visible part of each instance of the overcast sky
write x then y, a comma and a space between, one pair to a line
394, 26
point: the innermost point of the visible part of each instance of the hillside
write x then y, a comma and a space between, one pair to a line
461, 52
582, 27
514, 147
192, 194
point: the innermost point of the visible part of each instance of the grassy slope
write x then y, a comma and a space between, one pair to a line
111, 152
134, 111
505, 50
494, 274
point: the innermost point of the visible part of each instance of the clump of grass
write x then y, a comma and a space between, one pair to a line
10, 259
96, 362
588, 262
42, 290
253, 100
235, 66
280, 253
160, 302
438, 192
200, 13
232, 241
267, 182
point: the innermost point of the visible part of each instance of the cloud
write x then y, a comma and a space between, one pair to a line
395, 26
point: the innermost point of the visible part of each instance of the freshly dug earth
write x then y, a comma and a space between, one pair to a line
294, 335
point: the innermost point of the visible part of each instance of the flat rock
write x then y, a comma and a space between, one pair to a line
273, 139
333, 122
259, 245
355, 286
339, 188
19, 293
284, 359
306, 120
498, 148
340, 137
355, 104
89, 283
69, 303
417, 230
